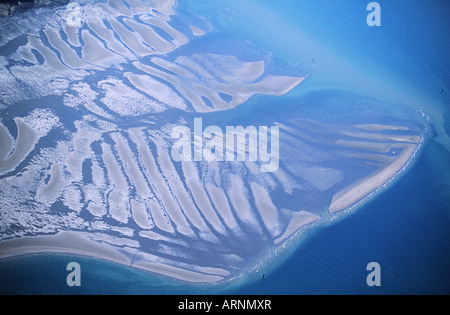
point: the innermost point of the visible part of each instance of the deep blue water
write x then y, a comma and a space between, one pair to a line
405, 227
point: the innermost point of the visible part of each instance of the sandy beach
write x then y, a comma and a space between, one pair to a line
63, 243
73, 243
354, 193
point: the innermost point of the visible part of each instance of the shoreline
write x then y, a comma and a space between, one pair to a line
351, 195
76, 243
73, 243
57, 244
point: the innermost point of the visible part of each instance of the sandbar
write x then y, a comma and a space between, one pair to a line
356, 192
74, 243
62, 243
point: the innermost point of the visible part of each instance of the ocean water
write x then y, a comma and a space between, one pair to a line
404, 226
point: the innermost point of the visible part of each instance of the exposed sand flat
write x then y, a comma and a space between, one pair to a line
177, 272
26, 140
219, 75
227, 69
108, 36
384, 159
220, 201
50, 58
285, 180
196, 31
132, 170
383, 137
181, 195
118, 198
63, 242
197, 67
175, 213
184, 90
75, 243
98, 174
40, 74
106, 9
96, 206
98, 110
238, 196
137, 6
278, 85
158, 185
381, 147
81, 142
140, 215
157, 90
75, 165
180, 38
119, 205
266, 208
68, 55
126, 101
72, 33
201, 198
160, 217
130, 38
94, 52
212, 270
72, 198
6, 143
154, 236
376, 127
351, 195
298, 220
270, 85
243, 72
26, 54
120, 7
164, 8
172, 67
212, 95
53, 189
150, 37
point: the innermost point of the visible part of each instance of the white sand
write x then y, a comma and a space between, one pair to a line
75, 243
383, 137
349, 196
376, 127
63, 242
298, 220
196, 31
